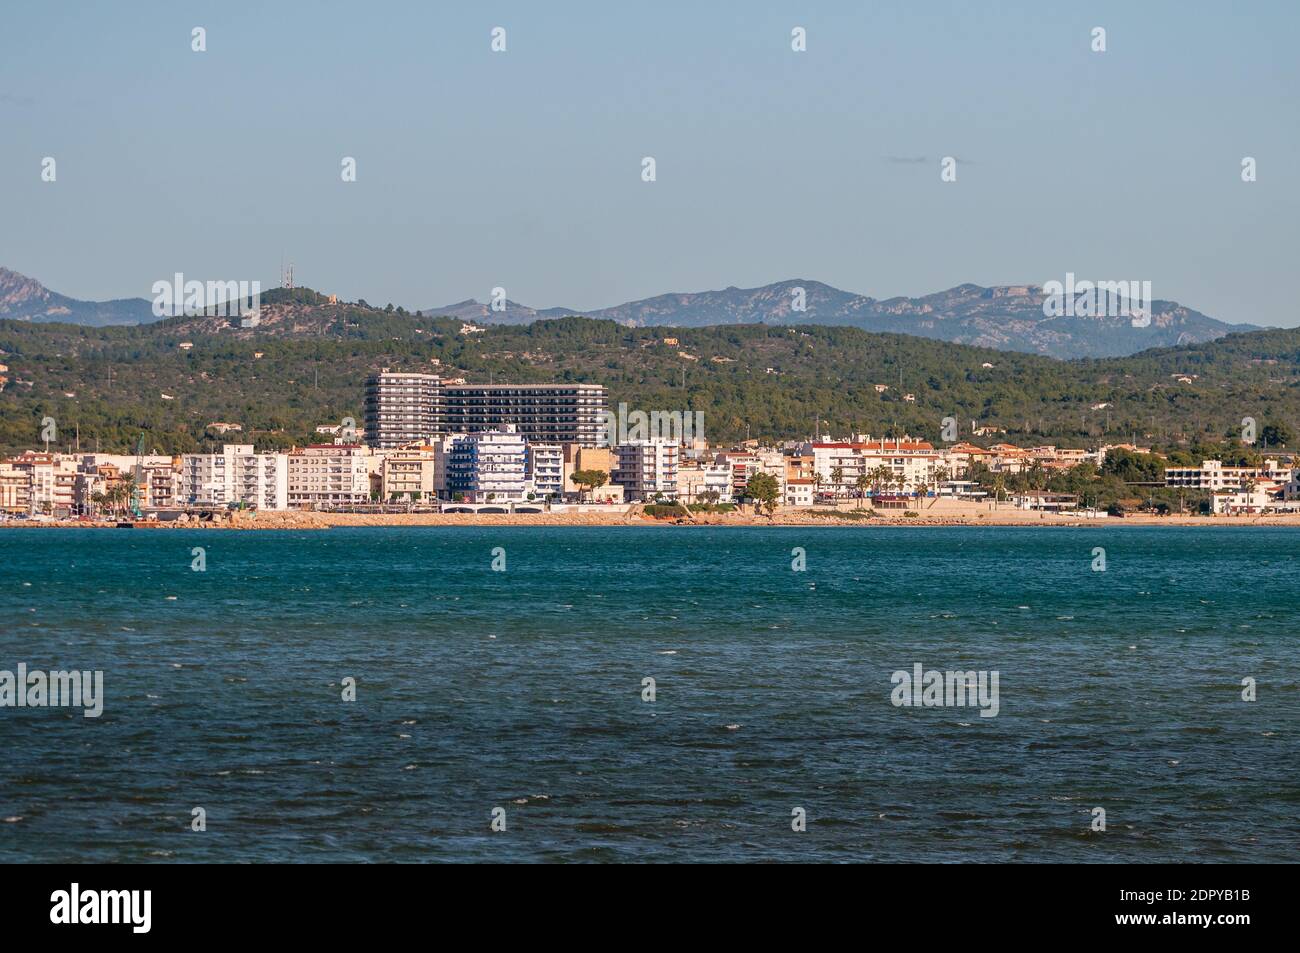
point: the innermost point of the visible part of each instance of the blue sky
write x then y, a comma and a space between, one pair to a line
522, 169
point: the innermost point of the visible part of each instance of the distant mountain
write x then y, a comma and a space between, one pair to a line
1008, 318
514, 312
25, 299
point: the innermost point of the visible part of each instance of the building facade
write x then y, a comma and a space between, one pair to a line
545, 475
402, 409
329, 475
489, 467
646, 469
236, 475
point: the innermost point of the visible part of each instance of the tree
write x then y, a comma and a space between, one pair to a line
837, 476
763, 489
590, 479
1134, 467
1275, 435
863, 481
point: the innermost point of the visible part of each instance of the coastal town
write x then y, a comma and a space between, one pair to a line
430, 445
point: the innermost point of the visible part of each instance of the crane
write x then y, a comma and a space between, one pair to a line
139, 475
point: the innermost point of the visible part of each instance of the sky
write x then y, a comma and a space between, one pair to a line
522, 169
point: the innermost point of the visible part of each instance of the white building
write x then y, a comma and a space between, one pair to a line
325, 475
799, 492
235, 475
646, 469
52, 479
889, 466
489, 467
1213, 475
1254, 498
699, 484
545, 470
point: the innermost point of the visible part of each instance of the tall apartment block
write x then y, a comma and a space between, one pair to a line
406, 408
542, 413
403, 409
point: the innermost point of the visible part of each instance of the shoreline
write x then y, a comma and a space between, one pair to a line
309, 520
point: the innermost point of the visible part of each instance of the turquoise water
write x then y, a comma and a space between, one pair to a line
522, 689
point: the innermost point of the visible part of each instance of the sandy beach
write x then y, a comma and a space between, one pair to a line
305, 520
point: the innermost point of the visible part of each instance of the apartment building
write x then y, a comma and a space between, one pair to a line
413, 473
646, 469
490, 467
235, 475
545, 413
545, 471
15, 490
329, 474
586, 458
408, 408
403, 409
262, 480
52, 481
745, 463
1214, 475
1246, 499
904, 466
699, 484
159, 484
800, 466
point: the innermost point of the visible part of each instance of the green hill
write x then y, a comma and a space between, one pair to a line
767, 381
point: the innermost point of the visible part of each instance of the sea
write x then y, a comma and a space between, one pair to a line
654, 694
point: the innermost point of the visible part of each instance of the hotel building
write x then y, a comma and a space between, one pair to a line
908, 465
403, 409
1213, 475
408, 408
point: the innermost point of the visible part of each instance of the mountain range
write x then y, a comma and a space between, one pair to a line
1008, 317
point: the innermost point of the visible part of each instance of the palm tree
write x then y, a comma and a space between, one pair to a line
818, 480
837, 474
879, 477
863, 481
941, 476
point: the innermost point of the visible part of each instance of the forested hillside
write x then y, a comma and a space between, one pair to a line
306, 366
